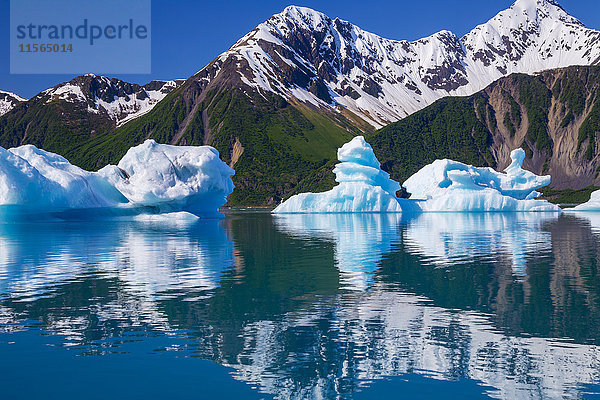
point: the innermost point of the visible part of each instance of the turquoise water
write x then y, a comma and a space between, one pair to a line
302, 306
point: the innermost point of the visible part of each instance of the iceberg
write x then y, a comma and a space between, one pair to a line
172, 178
451, 186
442, 186
39, 179
593, 204
363, 186
151, 178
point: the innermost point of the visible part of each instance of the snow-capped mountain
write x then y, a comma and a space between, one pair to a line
284, 97
66, 116
303, 54
118, 100
8, 101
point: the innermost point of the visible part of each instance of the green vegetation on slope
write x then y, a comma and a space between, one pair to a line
59, 126
282, 143
159, 125
536, 98
571, 91
568, 196
588, 130
512, 118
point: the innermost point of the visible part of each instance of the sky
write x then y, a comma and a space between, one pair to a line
188, 34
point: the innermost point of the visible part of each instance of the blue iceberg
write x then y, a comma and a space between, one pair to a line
442, 186
593, 204
363, 186
151, 178
446, 186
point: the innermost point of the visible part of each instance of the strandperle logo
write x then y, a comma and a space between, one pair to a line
80, 36
83, 31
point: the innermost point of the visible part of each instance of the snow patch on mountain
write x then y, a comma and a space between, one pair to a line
134, 106
119, 100
384, 80
67, 92
8, 101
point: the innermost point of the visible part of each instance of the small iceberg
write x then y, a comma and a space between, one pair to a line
151, 178
363, 186
451, 186
592, 205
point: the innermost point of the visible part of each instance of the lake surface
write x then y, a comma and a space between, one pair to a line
302, 307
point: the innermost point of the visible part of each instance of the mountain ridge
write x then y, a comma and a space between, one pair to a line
383, 80
121, 101
62, 117
554, 116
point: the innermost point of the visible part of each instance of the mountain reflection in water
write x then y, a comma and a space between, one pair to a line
322, 306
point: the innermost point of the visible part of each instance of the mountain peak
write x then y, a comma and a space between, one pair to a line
8, 101
302, 53
304, 16
299, 10
537, 10
537, 3
120, 101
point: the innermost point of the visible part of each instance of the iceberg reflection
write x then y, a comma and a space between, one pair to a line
377, 334
593, 218
360, 240
450, 238
272, 307
139, 263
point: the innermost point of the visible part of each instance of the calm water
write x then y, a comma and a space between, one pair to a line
302, 307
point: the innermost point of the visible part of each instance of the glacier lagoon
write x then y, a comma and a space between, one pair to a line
296, 306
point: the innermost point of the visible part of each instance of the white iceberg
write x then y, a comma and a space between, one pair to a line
151, 177
363, 186
39, 179
443, 186
172, 178
448, 186
593, 204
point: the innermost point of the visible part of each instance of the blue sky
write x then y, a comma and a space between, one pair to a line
187, 34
